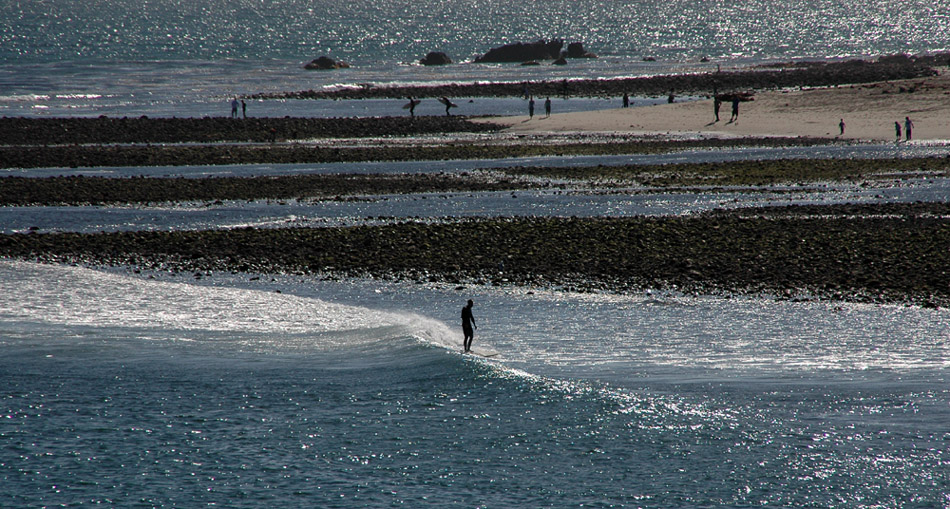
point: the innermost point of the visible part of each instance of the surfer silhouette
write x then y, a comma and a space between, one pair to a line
468, 326
448, 105
411, 106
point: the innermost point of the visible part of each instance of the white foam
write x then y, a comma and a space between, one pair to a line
67, 295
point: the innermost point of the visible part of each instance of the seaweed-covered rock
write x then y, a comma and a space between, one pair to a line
436, 58
524, 52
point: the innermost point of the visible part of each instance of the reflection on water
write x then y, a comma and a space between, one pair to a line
452, 206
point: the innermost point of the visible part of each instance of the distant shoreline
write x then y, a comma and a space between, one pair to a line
804, 74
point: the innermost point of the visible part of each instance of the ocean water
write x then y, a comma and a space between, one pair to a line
165, 389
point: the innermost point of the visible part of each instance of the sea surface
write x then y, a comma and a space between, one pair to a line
161, 388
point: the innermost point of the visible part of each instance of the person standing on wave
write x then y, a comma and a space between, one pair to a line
468, 326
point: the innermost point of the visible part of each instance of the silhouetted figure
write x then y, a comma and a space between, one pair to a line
448, 105
717, 103
626, 100
897, 131
547, 107
243, 108
908, 128
735, 109
841, 127
468, 326
411, 106
234, 107
671, 98
531, 108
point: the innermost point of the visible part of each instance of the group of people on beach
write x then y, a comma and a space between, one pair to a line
547, 107
717, 105
908, 129
234, 108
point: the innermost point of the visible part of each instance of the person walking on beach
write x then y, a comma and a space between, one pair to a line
717, 103
234, 106
531, 108
626, 100
468, 326
897, 131
448, 105
908, 128
244, 109
841, 128
547, 107
735, 109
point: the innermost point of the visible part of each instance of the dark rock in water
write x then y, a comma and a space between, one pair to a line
576, 50
436, 58
560, 61
531, 62
326, 62
649, 59
524, 52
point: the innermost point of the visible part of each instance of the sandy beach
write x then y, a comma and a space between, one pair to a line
868, 110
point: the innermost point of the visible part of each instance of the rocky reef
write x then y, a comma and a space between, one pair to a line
325, 63
789, 75
523, 52
436, 58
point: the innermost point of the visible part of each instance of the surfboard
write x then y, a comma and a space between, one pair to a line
483, 353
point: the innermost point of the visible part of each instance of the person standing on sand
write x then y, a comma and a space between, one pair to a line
626, 100
908, 128
717, 103
897, 130
244, 109
735, 109
841, 128
468, 326
547, 107
234, 106
531, 108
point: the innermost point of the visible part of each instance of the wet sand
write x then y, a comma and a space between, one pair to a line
869, 112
